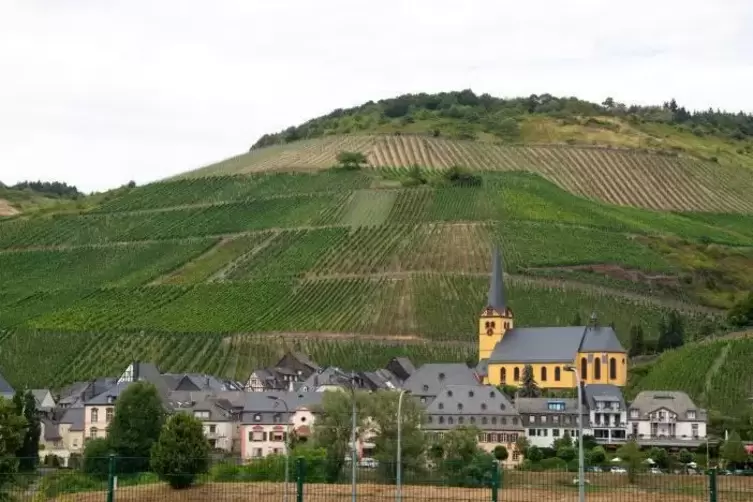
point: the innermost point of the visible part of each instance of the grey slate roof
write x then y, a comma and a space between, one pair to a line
322, 377
104, 398
538, 345
532, 409
595, 393
496, 297
51, 430
75, 417
600, 339
198, 381
6, 389
649, 401
39, 395
217, 413
401, 367
259, 403
471, 405
429, 379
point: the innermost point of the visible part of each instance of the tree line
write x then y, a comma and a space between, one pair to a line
48, 188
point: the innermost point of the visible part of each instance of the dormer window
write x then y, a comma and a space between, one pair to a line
633, 413
492, 394
691, 415
501, 406
449, 393
470, 393
460, 406
257, 418
441, 377
483, 406
426, 388
440, 406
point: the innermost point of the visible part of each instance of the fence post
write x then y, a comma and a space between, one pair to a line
111, 478
712, 485
495, 481
300, 476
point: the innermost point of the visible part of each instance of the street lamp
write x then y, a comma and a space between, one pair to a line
399, 473
350, 381
581, 474
286, 442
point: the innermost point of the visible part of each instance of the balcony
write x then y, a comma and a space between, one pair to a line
607, 425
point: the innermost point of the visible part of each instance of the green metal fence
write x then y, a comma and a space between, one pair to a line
264, 481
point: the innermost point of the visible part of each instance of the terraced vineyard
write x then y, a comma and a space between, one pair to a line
616, 176
221, 274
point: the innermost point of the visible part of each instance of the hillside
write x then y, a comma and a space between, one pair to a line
221, 269
36, 196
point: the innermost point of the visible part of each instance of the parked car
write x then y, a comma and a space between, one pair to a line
655, 470
618, 470
368, 463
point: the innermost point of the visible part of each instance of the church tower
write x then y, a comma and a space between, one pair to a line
496, 319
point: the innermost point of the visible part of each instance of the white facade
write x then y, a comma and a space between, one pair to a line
663, 423
262, 439
96, 420
220, 434
544, 437
608, 421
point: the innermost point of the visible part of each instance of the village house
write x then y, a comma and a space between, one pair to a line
666, 419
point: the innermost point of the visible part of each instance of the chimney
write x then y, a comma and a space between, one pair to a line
208, 386
594, 320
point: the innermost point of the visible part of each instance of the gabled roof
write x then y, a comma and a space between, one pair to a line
260, 403
431, 378
595, 393
5, 387
105, 397
40, 394
471, 400
51, 431
323, 376
649, 401
538, 345
496, 297
303, 359
600, 339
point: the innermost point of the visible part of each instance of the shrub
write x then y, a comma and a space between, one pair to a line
97, 458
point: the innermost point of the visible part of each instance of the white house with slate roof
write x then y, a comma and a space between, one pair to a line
504, 350
666, 418
547, 419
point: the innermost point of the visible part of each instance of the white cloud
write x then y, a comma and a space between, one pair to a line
98, 93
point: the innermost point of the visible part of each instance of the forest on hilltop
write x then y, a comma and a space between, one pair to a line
473, 114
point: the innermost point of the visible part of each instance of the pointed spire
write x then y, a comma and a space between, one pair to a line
496, 298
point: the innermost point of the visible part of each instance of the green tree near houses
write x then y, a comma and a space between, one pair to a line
733, 451
181, 453
28, 452
529, 387
136, 425
671, 331
12, 431
637, 341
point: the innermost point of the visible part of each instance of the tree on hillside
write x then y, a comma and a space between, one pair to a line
136, 426
333, 428
12, 428
182, 451
577, 321
351, 160
733, 451
28, 453
529, 387
741, 313
671, 331
382, 409
637, 341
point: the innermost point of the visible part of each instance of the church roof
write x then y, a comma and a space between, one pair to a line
496, 298
553, 344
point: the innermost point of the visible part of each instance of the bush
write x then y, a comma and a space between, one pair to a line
553, 464
97, 458
182, 452
458, 176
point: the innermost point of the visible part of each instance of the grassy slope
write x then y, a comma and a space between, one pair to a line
337, 263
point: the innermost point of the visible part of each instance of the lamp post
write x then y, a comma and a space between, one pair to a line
286, 442
350, 381
581, 474
399, 472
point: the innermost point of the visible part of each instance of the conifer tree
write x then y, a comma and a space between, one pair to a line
637, 341
529, 387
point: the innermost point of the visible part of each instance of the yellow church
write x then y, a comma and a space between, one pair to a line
554, 353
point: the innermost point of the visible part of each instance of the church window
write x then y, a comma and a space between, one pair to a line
486, 324
516, 374
494, 324
597, 369
503, 375
583, 368
557, 374
613, 368
543, 373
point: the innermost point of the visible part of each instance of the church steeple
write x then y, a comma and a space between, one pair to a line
496, 298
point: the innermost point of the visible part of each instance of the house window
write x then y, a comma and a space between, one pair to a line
201, 414
93, 433
633, 413
450, 420
483, 420
257, 418
277, 418
503, 375
555, 433
583, 369
691, 415
494, 420
516, 374
95, 415
557, 374
441, 420
109, 414
543, 373
257, 436
613, 368
694, 429
597, 368
461, 420
212, 429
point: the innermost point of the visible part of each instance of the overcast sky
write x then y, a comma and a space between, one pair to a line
97, 93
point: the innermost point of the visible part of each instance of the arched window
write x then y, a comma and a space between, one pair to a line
613, 368
493, 324
516, 374
486, 324
543, 373
583, 368
503, 375
557, 374
93, 432
597, 368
